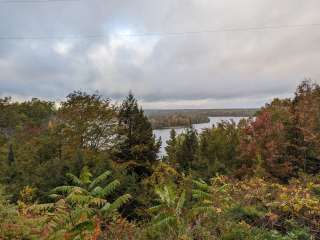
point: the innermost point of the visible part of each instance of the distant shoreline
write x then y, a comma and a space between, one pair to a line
181, 118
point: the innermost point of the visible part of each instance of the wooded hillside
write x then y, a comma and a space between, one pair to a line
89, 170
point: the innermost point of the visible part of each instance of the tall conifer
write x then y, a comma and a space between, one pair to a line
139, 143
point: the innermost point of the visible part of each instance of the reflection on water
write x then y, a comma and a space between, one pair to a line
165, 133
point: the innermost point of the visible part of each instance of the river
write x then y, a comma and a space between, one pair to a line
165, 133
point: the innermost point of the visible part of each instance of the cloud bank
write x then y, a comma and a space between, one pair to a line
207, 70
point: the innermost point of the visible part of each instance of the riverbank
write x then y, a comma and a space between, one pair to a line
182, 118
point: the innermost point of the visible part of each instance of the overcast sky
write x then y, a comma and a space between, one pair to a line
207, 70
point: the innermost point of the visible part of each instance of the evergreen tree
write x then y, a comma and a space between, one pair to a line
187, 152
138, 141
218, 148
171, 147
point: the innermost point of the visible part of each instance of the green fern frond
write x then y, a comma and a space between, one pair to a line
181, 202
75, 198
96, 191
105, 208
119, 202
200, 195
110, 188
223, 188
62, 189
83, 226
167, 195
74, 179
81, 213
55, 196
202, 185
155, 209
85, 175
98, 202
37, 208
164, 222
161, 215
99, 179
201, 210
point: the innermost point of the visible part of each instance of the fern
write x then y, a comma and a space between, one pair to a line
155, 209
210, 199
74, 179
118, 203
99, 179
201, 185
200, 195
83, 226
76, 198
180, 203
78, 205
164, 222
97, 202
38, 208
168, 214
110, 188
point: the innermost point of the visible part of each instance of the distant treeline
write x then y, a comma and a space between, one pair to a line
186, 117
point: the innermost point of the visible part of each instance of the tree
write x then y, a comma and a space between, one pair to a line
218, 148
266, 139
88, 121
187, 150
306, 113
171, 148
37, 112
138, 141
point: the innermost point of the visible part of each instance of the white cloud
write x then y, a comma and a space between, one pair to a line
197, 70
62, 47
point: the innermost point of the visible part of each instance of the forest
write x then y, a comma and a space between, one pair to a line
88, 169
186, 117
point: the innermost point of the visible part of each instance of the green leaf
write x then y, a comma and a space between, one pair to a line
164, 222
181, 202
99, 179
75, 180
201, 195
85, 176
119, 202
83, 226
63, 189
110, 188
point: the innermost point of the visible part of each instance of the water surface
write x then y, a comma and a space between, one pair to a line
165, 133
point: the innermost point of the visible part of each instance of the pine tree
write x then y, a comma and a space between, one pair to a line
171, 147
138, 142
188, 150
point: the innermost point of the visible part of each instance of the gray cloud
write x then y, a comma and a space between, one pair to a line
222, 69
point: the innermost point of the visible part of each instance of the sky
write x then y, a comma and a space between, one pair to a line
51, 48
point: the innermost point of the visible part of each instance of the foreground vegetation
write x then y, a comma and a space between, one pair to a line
89, 170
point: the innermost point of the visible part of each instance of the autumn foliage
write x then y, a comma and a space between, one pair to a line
89, 169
